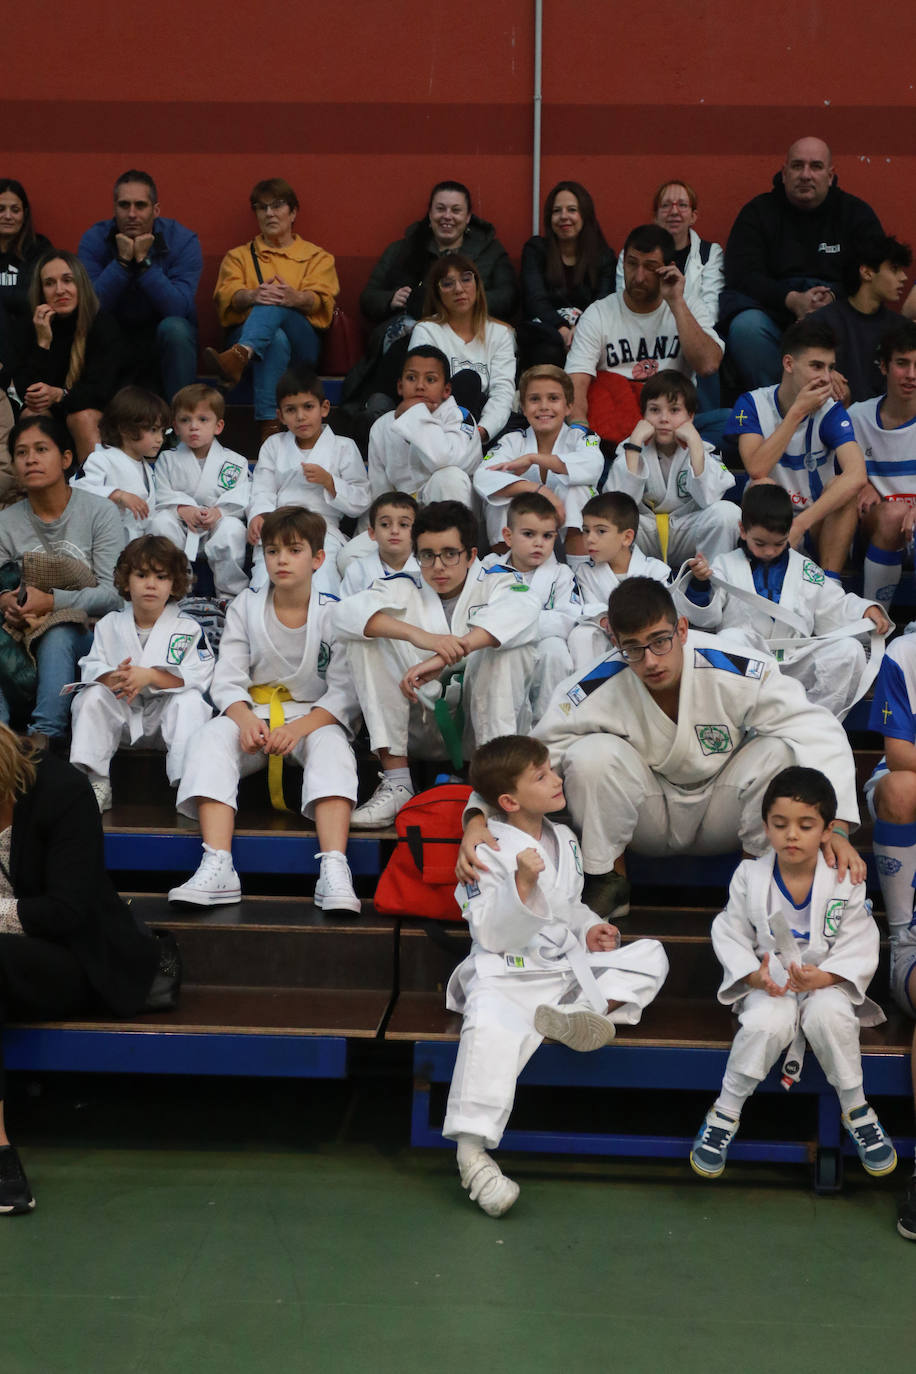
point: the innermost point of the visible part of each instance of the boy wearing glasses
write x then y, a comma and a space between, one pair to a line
669, 741
405, 633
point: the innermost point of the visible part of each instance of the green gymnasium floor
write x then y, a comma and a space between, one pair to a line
171, 1234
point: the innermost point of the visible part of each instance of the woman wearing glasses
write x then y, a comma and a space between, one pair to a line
273, 294
702, 263
481, 351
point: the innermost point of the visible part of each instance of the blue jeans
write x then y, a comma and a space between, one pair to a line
277, 336
57, 653
176, 343
753, 345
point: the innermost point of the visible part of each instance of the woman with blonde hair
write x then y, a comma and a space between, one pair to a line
480, 351
66, 356
68, 944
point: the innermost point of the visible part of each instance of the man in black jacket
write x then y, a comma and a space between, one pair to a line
786, 256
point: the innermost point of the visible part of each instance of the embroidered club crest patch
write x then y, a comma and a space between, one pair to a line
833, 915
682, 482
577, 858
812, 573
228, 475
324, 658
714, 739
178, 647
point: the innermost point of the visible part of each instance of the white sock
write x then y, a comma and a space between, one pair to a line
736, 1089
894, 848
468, 1147
882, 570
400, 777
851, 1098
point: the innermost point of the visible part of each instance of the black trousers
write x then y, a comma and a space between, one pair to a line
39, 979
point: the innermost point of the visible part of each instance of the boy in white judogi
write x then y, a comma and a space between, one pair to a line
147, 670
481, 620
530, 534
674, 476
121, 467
798, 949
390, 536
610, 524
774, 598
203, 489
541, 964
307, 465
282, 688
559, 460
429, 446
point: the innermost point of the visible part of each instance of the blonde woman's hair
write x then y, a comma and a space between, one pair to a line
17, 764
433, 307
86, 310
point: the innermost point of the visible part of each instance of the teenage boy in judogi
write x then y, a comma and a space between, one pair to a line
406, 635
203, 489
147, 671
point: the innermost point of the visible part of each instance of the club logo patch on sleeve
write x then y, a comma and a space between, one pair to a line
228, 476
728, 662
714, 739
833, 915
178, 647
577, 858
324, 658
812, 573
607, 668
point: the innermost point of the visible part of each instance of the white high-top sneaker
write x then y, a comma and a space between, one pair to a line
215, 883
334, 888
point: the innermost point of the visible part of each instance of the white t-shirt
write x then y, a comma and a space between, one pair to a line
612, 338
890, 454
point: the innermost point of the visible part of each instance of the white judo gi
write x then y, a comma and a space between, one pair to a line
362, 572
554, 587
109, 469
634, 776
679, 512
249, 657
589, 639
524, 955
497, 680
429, 454
581, 454
810, 606
840, 938
168, 718
279, 481
221, 480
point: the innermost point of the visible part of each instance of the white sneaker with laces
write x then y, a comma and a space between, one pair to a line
382, 807
488, 1185
578, 1030
334, 888
101, 788
215, 883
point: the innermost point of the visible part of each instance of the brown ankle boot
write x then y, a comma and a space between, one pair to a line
228, 365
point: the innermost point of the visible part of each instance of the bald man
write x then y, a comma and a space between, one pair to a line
786, 256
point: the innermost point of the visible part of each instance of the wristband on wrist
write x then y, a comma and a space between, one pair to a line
838, 830
628, 444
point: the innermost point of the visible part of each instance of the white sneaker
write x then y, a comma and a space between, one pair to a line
577, 1030
101, 788
382, 807
488, 1185
215, 883
334, 888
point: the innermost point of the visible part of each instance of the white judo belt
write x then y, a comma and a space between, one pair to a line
568, 948
787, 950
192, 545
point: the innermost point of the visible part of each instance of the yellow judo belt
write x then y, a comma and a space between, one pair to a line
661, 521
273, 697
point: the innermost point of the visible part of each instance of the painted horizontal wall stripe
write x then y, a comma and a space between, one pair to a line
400, 129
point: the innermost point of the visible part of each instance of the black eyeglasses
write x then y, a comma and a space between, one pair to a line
658, 647
447, 557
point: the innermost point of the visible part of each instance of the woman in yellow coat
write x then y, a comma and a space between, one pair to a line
272, 295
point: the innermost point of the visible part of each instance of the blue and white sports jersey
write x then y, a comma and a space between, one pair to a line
808, 464
890, 454
893, 709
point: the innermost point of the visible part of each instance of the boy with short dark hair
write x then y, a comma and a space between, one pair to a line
875, 279
391, 518
886, 430
407, 635
307, 465
610, 523
542, 964
121, 465
428, 446
282, 687
203, 489
674, 476
798, 435
779, 600
561, 461
530, 536
798, 950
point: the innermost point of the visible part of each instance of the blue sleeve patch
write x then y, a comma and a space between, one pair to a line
501, 567
602, 672
728, 663
325, 597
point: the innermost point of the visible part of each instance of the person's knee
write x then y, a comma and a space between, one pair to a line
174, 329
895, 798
827, 1014
774, 1018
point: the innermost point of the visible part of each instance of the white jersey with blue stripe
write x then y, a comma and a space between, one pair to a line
893, 709
808, 464
890, 454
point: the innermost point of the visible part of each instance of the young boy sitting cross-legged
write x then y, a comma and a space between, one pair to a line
404, 633
282, 687
542, 964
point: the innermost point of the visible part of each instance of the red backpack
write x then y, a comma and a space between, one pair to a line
419, 878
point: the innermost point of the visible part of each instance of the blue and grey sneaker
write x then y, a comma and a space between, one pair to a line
875, 1148
906, 1212
707, 1158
